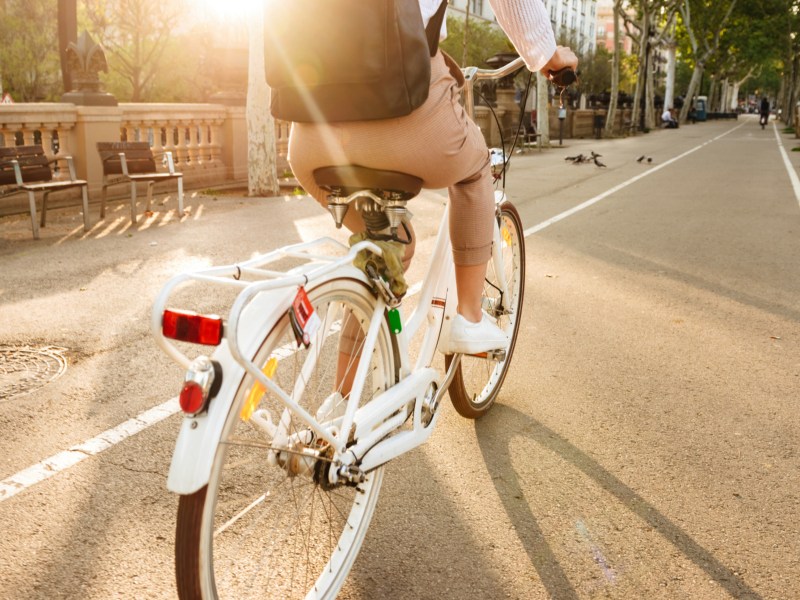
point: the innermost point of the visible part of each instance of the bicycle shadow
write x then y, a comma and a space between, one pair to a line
495, 433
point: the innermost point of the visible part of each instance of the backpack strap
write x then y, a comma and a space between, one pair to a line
434, 27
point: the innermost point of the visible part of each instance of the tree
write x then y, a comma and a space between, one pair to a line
483, 41
648, 29
29, 61
136, 34
703, 23
615, 69
262, 176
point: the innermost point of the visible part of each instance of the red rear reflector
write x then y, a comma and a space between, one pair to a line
186, 326
191, 398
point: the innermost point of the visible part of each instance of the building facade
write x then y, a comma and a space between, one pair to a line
605, 28
574, 21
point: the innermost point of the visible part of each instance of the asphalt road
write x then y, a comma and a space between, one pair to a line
645, 444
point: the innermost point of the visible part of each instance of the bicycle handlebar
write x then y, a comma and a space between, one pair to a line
562, 78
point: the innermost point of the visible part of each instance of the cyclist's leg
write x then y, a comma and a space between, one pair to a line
471, 222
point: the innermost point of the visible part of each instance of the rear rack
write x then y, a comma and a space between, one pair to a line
318, 265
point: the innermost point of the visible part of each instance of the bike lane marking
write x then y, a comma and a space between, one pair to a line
48, 467
45, 469
576, 209
788, 164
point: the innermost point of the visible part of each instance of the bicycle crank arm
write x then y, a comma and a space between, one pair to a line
425, 414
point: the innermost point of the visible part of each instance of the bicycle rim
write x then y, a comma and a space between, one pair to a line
478, 379
264, 529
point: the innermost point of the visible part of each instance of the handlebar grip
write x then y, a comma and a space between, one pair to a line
563, 77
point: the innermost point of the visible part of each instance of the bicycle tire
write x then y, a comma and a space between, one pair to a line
477, 380
237, 537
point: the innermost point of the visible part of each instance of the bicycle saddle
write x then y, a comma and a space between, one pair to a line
348, 179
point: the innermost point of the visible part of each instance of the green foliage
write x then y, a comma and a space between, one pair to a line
595, 71
147, 59
483, 41
29, 62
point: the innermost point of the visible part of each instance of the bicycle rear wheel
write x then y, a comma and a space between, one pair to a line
478, 379
268, 524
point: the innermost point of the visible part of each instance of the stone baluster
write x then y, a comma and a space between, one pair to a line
193, 145
47, 139
28, 132
11, 134
215, 145
158, 143
204, 143
169, 146
181, 148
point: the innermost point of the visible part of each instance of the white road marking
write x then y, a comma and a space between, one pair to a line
45, 469
68, 458
576, 209
789, 168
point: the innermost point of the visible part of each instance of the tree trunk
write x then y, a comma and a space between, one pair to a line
649, 101
712, 93
615, 64
636, 117
669, 94
690, 93
262, 176
542, 110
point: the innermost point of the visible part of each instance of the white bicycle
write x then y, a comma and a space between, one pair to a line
311, 389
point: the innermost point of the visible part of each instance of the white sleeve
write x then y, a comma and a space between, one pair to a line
528, 27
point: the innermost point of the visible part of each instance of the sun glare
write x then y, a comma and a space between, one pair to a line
229, 9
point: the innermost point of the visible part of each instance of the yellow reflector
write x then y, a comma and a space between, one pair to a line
506, 235
254, 397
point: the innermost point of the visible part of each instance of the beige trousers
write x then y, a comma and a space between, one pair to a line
437, 143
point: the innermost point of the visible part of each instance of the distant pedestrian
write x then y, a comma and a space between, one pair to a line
764, 111
668, 119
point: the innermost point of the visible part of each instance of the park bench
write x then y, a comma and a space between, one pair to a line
132, 162
27, 169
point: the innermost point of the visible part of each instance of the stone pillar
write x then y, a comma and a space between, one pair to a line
93, 124
234, 142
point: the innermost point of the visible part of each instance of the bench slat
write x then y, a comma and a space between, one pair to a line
33, 163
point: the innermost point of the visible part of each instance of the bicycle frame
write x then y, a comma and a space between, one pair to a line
260, 304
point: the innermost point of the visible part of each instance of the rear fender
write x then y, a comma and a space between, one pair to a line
199, 436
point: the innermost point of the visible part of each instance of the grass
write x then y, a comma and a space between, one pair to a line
787, 130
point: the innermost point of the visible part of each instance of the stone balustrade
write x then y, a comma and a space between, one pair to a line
208, 141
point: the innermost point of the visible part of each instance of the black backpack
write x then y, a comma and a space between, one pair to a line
348, 60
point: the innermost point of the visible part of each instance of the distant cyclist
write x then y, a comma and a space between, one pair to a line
764, 111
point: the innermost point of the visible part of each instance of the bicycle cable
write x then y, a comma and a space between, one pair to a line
523, 102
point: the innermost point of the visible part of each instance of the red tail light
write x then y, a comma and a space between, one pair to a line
186, 326
191, 398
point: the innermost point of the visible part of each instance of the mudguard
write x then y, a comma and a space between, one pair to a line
199, 436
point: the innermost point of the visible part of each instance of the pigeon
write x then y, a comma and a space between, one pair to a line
649, 159
598, 163
595, 155
640, 159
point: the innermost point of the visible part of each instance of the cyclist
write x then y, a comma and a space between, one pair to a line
439, 144
764, 112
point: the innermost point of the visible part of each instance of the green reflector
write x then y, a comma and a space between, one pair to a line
395, 323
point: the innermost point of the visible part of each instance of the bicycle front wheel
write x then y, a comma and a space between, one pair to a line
269, 524
478, 379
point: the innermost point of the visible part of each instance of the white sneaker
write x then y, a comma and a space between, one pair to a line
473, 338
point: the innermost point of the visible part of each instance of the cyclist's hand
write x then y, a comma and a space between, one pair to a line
562, 58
